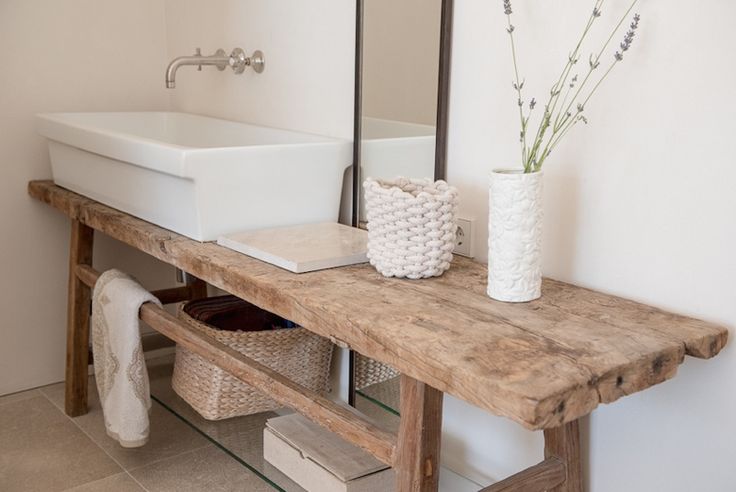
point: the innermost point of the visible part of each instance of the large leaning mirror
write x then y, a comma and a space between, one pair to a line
402, 81
401, 108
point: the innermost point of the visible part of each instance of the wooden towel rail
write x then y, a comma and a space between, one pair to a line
341, 420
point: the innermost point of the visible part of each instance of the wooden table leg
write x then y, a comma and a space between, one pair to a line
197, 286
418, 449
77, 327
564, 443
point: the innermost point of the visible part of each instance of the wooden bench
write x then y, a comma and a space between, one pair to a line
543, 364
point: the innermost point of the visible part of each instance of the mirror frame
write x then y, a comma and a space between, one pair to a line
443, 106
443, 97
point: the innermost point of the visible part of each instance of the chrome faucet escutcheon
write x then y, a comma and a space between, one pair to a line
237, 60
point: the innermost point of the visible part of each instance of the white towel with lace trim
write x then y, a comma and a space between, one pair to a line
120, 370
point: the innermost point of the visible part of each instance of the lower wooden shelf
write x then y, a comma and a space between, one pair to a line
242, 437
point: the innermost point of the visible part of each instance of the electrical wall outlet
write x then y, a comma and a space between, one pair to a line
464, 239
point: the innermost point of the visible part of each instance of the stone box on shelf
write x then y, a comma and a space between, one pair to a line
319, 461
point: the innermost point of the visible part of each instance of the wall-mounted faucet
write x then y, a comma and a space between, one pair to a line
237, 60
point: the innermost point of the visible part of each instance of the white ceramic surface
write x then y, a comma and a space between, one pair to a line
198, 176
303, 248
394, 148
515, 236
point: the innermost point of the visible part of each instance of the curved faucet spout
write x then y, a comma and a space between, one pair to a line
219, 60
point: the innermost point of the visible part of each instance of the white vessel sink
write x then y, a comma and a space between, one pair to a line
198, 176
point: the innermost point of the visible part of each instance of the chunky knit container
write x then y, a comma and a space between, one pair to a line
411, 226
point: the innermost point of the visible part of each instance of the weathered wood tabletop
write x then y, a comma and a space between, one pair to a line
542, 363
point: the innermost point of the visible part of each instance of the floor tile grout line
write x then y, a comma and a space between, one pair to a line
105, 478
160, 460
135, 480
211, 441
123, 467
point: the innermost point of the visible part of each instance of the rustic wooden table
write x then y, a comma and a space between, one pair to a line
543, 364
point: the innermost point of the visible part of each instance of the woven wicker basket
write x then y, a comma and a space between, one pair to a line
369, 371
295, 353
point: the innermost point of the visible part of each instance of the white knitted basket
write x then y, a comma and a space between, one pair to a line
411, 226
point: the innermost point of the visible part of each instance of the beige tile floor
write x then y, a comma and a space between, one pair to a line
41, 449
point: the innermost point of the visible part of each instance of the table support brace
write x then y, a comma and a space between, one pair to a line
343, 421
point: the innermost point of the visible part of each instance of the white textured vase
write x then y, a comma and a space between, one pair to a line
515, 236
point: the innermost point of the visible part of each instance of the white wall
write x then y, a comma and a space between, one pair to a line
639, 203
308, 45
62, 55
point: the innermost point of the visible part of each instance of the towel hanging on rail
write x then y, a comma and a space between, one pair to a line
120, 370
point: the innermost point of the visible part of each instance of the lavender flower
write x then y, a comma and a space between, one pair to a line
628, 38
635, 24
593, 61
558, 119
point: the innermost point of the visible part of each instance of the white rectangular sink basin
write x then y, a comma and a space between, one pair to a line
198, 176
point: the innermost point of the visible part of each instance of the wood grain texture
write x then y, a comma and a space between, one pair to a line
174, 294
88, 276
344, 421
564, 443
77, 322
538, 478
542, 363
417, 461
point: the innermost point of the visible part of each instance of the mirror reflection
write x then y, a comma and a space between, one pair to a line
401, 52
